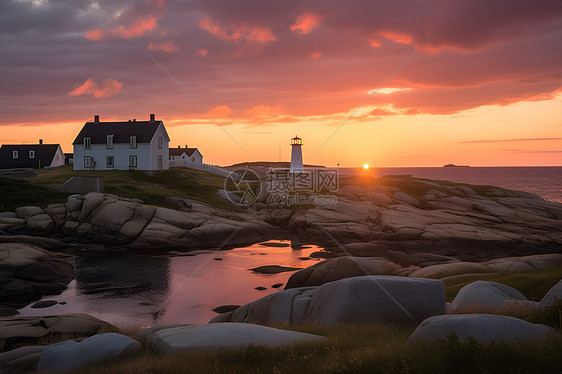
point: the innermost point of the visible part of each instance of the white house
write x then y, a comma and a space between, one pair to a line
187, 154
31, 156
130, 145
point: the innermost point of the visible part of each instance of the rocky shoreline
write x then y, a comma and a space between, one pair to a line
396, 241
412, 223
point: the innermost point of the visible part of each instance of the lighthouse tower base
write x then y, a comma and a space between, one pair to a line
296, 159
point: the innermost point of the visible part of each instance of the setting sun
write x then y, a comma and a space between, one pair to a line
365, 166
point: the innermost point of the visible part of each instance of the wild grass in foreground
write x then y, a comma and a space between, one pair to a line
373, 348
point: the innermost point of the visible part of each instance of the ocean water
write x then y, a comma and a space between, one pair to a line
543, 181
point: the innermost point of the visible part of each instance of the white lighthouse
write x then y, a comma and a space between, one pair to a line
296, 155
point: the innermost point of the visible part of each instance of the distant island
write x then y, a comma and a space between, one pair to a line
455, 166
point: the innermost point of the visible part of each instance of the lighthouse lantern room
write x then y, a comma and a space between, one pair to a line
296, 155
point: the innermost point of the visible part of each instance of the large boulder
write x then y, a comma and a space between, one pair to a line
552, 296
484, 297
27, 272
220, 336
340, 268
375, 298
484, 328
69, 355
278, 309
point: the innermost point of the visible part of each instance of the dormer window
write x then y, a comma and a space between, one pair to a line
87, 143
133, 142
15, 154
31, 154
109, 142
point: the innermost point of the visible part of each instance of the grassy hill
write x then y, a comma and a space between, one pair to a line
153, 188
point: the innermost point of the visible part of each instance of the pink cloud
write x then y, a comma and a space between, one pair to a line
202, 52
138, 28
167, 46
107, 88
237, 32
397, 37
305, 23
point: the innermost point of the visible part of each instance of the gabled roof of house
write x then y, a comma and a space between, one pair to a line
180, 151
121, 131
44, 154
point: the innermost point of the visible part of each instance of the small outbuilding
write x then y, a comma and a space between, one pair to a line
186, 154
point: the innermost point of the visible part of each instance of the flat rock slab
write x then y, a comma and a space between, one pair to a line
376, 298
273, 269
484, 328
273, 244
44, 304
219, 336
14, 330
484, 296
225, 308
69, 355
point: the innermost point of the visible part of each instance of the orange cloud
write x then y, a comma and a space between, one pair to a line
202, 52
138, 28
264, 111
236, 33
168, 46
315, 55
305, 23
220, 111
374, 43
107, 88
397, 37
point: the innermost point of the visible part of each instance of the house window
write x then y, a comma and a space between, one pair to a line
87, 161
109, 162
132, 161
15, 154
87, 143
31, 154
159, 161
133, 142
159, 142
109, 142
193, 159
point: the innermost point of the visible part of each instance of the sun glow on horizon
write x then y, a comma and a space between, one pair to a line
365, 166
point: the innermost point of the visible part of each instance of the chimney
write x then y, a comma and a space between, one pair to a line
40, 141
96, 119
186, 146
152, 118
179, 146
134, 120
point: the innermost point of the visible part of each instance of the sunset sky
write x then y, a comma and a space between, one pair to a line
385, 82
